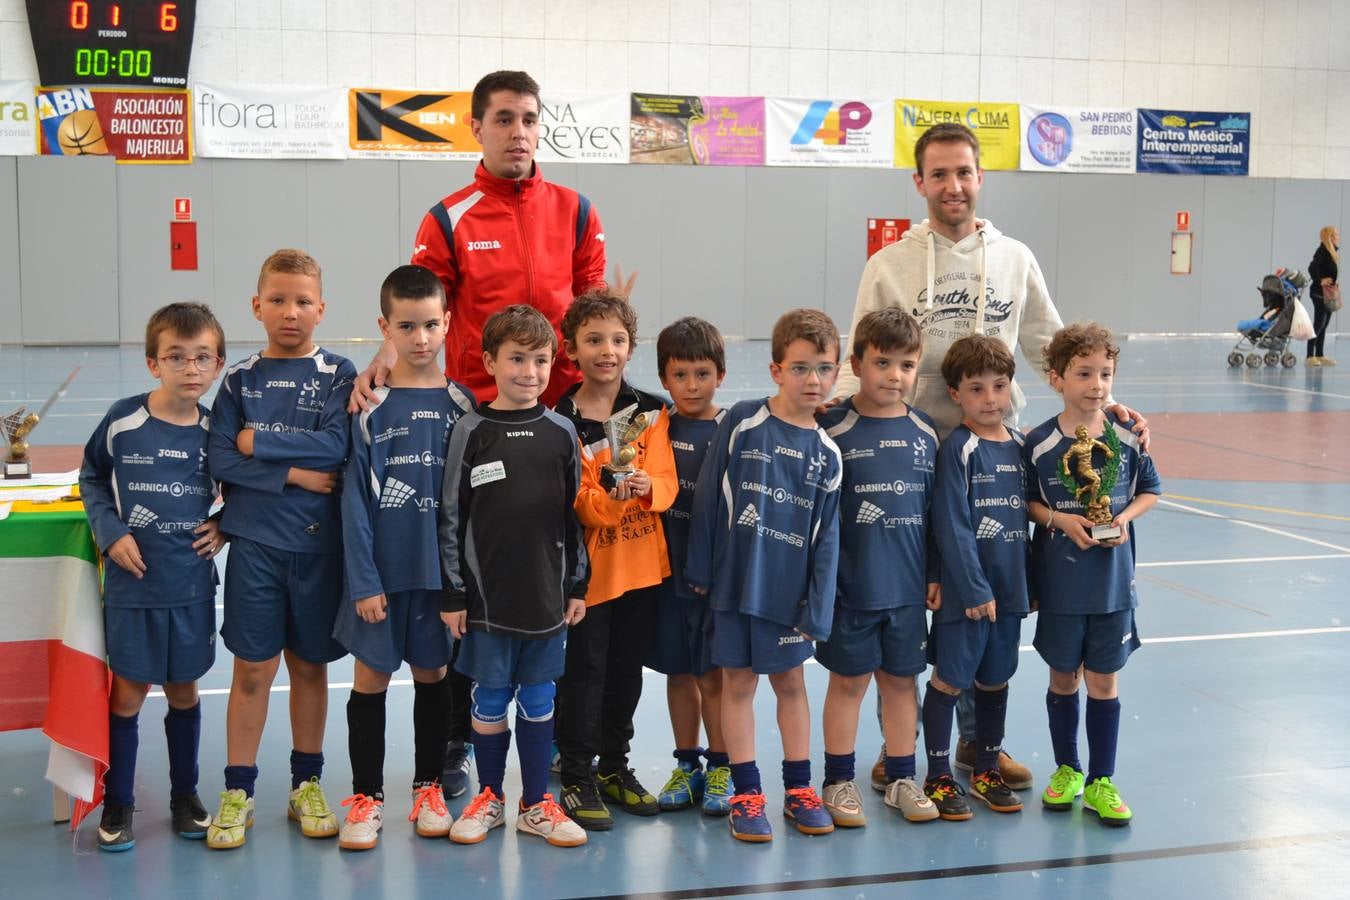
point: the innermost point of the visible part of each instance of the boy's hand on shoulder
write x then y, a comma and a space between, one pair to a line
363, 396
933, 600
371, 609
983, 611
211, 541
127, 554
457, 622
804, 634
1078, 529
310, 480
576, 610
701, 591
1140, 426
244, 442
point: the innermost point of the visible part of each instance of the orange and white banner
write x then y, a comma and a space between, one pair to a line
392, 124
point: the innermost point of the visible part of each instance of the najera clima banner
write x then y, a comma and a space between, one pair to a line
1180, 142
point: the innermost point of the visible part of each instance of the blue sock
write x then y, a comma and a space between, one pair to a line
991, 715
693, 757
119, 785
899, 767
1103, 729
840, 767
534, 746
716, 759
489, 753
745, 776
305, 766
183, 731
241, 778
796, 773
938, 710
1063, 712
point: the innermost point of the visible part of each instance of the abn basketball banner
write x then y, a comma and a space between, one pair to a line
830, 132
392, 124
18, 119
1072, 139
134, 126
703, 131
995, 124
583, 128
1181, 142
241, 122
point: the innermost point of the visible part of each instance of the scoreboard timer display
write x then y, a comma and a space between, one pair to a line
141, 42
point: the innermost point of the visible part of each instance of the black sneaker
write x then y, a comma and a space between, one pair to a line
582, 802
114, 829
190, 818
992, 789
948, 797
624, 789
455, 772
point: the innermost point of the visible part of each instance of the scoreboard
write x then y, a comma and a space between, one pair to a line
133, 42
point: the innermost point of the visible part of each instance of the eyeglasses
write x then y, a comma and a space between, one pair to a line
176, 362
802, 370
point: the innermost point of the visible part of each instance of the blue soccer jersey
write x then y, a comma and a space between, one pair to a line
147, 478
979, 515
765, 534
689, 441
1100, 579
297, 409
393, 490
883, 506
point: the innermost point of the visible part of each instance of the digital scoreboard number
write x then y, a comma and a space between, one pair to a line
142, 42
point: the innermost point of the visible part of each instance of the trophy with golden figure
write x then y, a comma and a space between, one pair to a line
18, 425
1090, 486
621, 431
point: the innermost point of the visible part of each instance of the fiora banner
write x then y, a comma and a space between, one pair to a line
583, 128
410, 124
18, 119
830, 132
244, 122
1071, 139
135, 126
996, 125
1194, 143
703, 131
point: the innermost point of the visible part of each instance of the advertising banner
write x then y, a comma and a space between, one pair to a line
135, 126
18, 119
703, 131
996, 125
1194, 143
830, 132
583, 128
1072, 139
250, 122
391, 124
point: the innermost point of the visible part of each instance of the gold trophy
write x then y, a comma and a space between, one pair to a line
621, 430
18, 425
1092, 488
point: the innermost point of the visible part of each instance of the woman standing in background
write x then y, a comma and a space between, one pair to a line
1322, 271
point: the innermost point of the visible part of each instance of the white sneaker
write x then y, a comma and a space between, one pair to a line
231, 823
485, 813
547, 820
429, 812
844, 804
905, 795
361, 829
309, 807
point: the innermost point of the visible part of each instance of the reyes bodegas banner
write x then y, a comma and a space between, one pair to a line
257, 122
1074, 139
1194, 143
829, 132
18, 119
390, 124
995, 124
682, 129
583, 128
134, 126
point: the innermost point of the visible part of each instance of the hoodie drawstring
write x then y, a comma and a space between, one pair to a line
984, 272
928, 298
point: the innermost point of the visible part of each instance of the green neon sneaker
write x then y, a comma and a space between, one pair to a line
627, 793
1065, 786
1102, 798
309, 807
231, 823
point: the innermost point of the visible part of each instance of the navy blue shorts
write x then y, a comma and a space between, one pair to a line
411, 632
894, 640
970, 650
680, 645
161, 645
743, 641
498, 661
281, 600
1100, 643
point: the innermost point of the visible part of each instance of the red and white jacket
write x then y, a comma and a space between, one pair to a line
500, 241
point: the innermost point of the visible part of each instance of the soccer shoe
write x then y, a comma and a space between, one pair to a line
429, 812
879, 771
904, 794
993, 790
1015, 775
114, 828
309, 807
747, 819
582, 802
948, 797
455, 773
717, 791
484, 813
802, 805
1102, 798
231, 822
683, 789
547, 820
361, 829
190, 819
1065, 785
844, 804
623, 789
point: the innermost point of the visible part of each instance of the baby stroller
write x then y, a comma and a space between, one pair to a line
1265, 339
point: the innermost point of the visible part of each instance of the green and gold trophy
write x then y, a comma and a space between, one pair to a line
621, 431
1092, 487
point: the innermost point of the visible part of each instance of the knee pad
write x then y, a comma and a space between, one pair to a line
489, 704
534, 702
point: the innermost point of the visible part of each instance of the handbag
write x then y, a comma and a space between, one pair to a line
1331, 297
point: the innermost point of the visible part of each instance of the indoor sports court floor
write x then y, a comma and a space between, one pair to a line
1234, 745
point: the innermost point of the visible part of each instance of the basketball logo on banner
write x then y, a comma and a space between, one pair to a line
1050, 138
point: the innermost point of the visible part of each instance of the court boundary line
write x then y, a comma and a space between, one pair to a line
1282, 533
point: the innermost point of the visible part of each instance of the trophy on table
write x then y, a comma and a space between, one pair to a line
18, 425
621, 431
1090, 487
